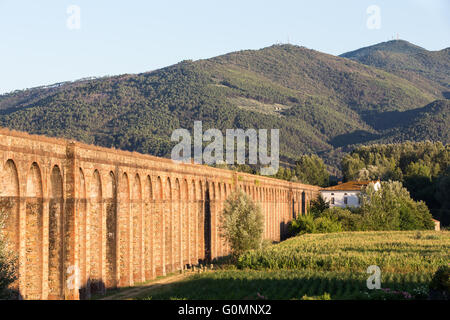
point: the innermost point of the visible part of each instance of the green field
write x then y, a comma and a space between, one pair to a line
315, 264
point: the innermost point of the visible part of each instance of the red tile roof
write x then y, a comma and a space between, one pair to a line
348, 186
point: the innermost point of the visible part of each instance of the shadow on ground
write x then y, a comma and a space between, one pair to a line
278, 285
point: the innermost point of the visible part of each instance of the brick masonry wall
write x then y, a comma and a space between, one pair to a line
84, 219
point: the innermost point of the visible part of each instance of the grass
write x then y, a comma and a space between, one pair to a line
312, 265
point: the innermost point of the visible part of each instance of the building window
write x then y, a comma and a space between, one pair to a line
332, 200
345, 200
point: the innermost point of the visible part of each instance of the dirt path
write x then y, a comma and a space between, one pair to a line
139, 289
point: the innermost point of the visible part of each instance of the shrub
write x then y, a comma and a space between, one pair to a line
303, 224
327, 225
349, 221
241, 223
309, 224
440, 283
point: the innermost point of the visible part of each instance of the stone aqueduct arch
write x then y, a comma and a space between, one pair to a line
100, 218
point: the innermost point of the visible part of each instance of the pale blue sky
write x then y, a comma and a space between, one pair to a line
37, 48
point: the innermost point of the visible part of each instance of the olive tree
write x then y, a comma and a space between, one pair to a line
241, 223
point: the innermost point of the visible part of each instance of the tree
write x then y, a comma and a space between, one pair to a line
241, 223
392, 208
318, 206
7, 258
312, 170
441, 195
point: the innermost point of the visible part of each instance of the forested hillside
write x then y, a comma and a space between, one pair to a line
321, 103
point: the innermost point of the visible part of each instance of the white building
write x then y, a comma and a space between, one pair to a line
345, 194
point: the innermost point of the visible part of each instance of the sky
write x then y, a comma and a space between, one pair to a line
49, 41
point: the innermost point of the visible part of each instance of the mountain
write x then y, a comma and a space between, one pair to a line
427, 69
321, 103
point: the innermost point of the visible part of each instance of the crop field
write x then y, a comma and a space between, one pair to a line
315, 264
393, 251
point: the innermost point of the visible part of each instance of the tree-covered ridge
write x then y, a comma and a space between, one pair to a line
430, 122
318, 101
429, 69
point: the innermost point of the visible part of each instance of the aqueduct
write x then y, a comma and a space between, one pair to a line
112, 218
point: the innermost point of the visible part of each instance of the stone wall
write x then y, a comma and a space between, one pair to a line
107, 218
